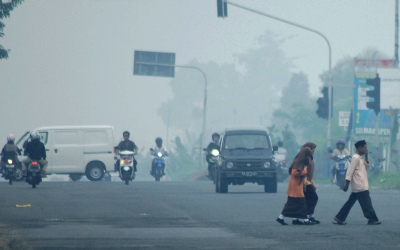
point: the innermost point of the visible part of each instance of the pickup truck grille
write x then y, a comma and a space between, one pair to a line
248, 164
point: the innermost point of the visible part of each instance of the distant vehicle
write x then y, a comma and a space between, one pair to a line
342, 162
246, 155
77, 150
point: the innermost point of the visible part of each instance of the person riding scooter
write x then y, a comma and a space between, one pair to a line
158, 148
10, 150
35, 150
129, 145
340, 150
214, 144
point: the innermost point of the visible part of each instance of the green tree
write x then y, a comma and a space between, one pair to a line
5, 9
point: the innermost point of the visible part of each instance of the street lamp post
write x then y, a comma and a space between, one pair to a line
204, 103
330, 58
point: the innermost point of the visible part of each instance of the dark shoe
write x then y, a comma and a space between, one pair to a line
297, 222
338, 222
377, 222
281, 221
314, 220
309, 222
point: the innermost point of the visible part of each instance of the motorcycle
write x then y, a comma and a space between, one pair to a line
281, 170
9, 166
341, 164
126, 162
212, 159
158, 165
33, 176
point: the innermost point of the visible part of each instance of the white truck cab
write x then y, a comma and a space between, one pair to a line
77, 150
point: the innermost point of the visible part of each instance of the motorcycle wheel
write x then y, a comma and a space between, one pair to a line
33, 183
10, 180
126, 182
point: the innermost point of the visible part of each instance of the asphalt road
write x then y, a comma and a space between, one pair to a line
182, 215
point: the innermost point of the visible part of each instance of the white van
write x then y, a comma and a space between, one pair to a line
77, 150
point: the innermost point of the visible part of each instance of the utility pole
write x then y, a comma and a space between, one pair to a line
222, 9
396, 32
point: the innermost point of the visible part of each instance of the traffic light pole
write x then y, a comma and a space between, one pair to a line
330, 58
204, 104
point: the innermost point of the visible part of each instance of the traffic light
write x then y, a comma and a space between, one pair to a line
323, 104
222, 8
375, 93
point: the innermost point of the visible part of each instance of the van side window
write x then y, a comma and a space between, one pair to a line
95, 138
43, 137
66, 138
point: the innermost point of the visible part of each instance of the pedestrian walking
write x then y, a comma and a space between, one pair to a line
310, 190
295, 206
357, 176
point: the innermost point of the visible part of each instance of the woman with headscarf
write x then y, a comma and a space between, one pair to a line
295, 206
309, 185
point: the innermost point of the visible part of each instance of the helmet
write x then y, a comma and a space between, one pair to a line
158, 140
35, 135
11, 138
340, 141
214, 135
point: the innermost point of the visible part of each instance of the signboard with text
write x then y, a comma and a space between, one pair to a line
148, 63
364, 118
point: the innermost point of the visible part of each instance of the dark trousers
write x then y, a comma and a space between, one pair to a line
311, 199
366, 205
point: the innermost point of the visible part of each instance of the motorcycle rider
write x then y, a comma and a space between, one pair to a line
127, 144
340, 150
280, 155
214, 144
35, 150
10, 150
158, 148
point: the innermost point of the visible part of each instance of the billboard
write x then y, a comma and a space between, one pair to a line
364, 118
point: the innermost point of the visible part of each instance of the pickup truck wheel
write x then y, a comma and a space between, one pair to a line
216, 181
271, 185
75, 177
95, 171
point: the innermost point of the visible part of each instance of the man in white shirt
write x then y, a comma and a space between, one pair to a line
357, 176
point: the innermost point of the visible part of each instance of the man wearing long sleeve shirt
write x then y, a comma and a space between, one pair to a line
357, 176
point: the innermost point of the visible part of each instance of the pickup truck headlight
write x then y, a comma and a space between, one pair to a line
267, 164
229, 164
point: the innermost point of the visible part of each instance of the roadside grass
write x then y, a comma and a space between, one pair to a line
385, 180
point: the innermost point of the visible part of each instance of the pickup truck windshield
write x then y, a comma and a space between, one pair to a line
246, 141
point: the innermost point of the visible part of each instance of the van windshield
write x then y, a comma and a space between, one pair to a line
246, 141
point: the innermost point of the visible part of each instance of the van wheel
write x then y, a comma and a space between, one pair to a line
95, 171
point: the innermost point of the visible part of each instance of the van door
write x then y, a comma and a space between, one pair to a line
66, 152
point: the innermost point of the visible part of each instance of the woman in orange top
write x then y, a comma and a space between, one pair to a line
295, 206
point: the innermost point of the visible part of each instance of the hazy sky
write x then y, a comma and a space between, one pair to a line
75, 57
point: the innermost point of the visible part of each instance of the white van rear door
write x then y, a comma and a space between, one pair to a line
67, 152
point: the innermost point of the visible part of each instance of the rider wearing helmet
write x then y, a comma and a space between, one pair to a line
340, 150
214, 144
158, 148
10, 150
35, 150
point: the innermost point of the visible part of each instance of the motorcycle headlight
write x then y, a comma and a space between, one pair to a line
159, 154
10, 162
215, 152
126, 168
267, 164
229, 164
